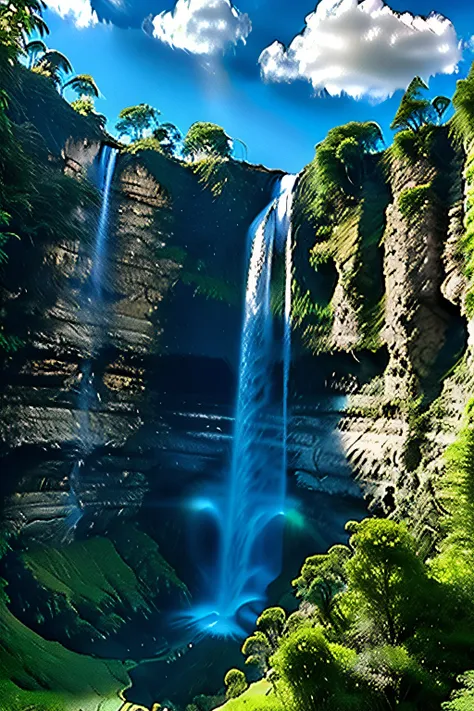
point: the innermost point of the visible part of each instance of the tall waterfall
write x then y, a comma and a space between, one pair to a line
107, 161
250, 510
87, 393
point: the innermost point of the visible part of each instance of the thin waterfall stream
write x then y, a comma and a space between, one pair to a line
249, 513
87, 394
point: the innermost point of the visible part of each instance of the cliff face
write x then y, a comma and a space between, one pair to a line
168, 243
397, 424
167, 328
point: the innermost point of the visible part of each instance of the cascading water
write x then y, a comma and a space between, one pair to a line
249, 513
107, 163
87, 393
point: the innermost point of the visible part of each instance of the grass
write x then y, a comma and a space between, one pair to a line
258, 697
87, 572
37, 673
95, 578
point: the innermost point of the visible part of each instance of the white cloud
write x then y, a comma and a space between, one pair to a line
202, 26
80, 11
364, 49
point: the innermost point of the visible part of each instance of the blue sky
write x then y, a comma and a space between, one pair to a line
280, 121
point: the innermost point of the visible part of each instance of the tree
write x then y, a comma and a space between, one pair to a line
399, 678
53, 64
18, 20
314, 675
271, 623
386, 577
257, 650
322, 580
33, 49
83, 85
169, 137
414, 110
134, 121
235, 683
207, 140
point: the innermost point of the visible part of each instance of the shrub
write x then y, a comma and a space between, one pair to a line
235, 683
414, 201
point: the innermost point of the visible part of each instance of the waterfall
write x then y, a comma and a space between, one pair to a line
250, 511
107, 163
87, 392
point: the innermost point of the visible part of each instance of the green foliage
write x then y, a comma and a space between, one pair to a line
414, 110
454, 564
395, 675
209, 286
257, 650
322, 579
207, 140
271, 623
134, 121
85, 106
169, 138
83, 85
258, 697
38, 203
462, 699
54, 65
143, 144
386, 577
235, 683
315, 675
414, 201
18, 20
213, 173
462, 123
415, 124
467, 242
333, 180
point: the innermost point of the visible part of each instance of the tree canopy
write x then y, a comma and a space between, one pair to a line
135, 121
207, 140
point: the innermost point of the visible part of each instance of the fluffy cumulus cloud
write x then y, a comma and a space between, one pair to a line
204, 27
364, 49
79, 11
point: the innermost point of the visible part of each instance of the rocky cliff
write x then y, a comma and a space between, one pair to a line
398, 297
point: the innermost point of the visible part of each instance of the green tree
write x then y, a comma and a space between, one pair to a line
322, 580
271, 623
386, 577
334, 179
257, 650
54, 65
82, 85
454, 564
314, 675
415, 110
18, 20
235, 683
205, 140
135, 121
399, 679
168, 137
